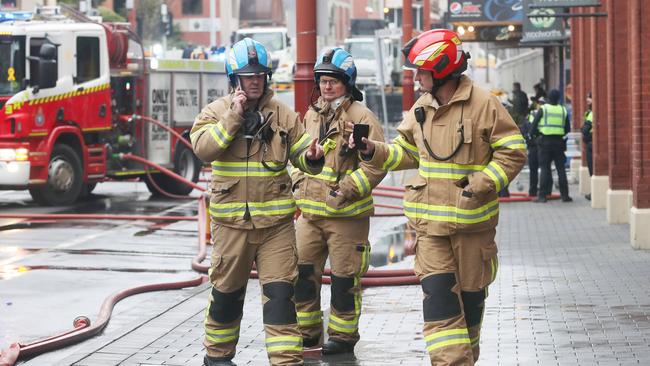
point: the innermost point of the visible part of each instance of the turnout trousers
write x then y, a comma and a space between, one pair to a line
455, 272
274, 251
345, 240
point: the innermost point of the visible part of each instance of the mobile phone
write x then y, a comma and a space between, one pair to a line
359, 131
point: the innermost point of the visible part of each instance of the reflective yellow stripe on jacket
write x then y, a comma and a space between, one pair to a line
322, 209
237, 209
431, 169
328, 174
451, 213
243, 169
510, 142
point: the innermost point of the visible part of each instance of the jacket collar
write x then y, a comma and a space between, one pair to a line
462, 93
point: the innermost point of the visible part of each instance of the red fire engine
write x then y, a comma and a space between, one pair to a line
71, 95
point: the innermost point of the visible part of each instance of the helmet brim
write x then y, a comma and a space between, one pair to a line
255, 69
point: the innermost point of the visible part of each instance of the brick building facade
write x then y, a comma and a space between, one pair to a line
610, 60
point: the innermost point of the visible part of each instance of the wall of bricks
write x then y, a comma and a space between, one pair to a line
640, 75
599, 90
619, 118
611, 58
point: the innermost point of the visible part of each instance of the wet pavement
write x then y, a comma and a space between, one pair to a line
570, 291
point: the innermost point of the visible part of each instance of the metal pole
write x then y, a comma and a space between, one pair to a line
382, 82
213, 23
305, 53
408, 96
561, 51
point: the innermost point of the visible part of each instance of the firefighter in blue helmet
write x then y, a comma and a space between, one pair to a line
336, 207
249, 137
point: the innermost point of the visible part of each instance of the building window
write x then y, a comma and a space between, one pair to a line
193, 7
87, 59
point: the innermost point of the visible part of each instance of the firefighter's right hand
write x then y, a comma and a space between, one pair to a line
370, 145
238, 101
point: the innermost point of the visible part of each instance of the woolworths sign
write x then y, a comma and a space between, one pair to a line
546, 27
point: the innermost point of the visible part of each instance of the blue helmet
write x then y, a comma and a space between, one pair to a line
338, 63
247, 57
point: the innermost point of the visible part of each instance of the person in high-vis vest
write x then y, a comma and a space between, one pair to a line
551, 125
336, 206
466, 147
248, 136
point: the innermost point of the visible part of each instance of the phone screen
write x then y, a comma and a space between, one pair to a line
359, 131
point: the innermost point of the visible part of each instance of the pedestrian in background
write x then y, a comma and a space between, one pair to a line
587, 137
336, 207
551, 126
452, 203
531, 145
249, 136
519, 103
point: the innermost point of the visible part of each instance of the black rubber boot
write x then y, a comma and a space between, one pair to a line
311, 342
334, 347
217, 361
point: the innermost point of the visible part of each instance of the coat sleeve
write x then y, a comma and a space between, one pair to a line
360, 183
213, 131
401, 154
508, 154
299, 141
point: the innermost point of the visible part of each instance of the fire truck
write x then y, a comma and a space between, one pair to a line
75, 96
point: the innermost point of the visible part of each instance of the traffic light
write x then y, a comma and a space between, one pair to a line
169, 25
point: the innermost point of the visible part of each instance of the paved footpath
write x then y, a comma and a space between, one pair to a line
570, 291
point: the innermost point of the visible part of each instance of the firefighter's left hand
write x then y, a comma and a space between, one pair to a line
315, 151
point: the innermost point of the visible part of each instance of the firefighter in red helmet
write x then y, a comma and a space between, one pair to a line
466, 147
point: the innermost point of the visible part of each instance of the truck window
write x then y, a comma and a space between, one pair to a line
365, 50
87, 59
12, 64
34, 50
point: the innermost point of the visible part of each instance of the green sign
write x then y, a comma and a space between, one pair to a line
543, 26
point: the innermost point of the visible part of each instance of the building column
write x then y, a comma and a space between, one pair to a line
580, 80
640, 81
598, 47
619, 118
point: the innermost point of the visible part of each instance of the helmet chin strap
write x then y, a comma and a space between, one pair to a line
438, 83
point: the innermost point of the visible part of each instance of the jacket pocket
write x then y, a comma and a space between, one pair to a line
223, 191
335, 200
465, 153
415, 195
281, 185
476, 212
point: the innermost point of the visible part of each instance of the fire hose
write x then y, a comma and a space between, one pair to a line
82, 326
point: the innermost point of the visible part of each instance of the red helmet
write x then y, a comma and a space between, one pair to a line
436, 50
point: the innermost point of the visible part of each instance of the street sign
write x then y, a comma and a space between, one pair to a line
542, 29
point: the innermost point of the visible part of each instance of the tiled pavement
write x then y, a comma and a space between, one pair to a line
570, 291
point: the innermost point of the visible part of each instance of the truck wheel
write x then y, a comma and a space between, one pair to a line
187, 165
64, 178
87, 190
